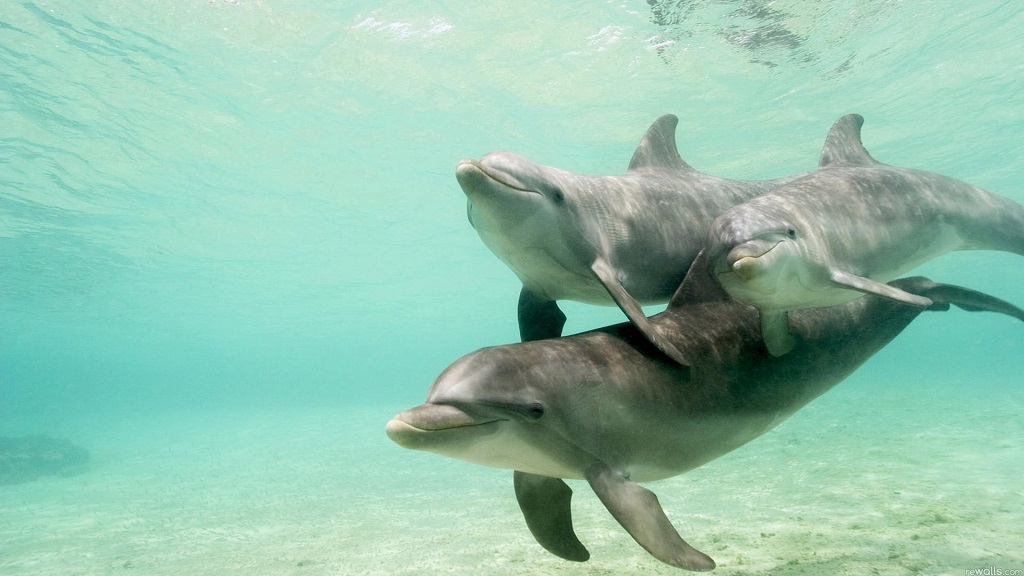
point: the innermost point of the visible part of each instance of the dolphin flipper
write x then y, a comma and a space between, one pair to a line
638, 511
775, 325
945, 294
775, 332
545, 505
633, 311
869, 286
539, 318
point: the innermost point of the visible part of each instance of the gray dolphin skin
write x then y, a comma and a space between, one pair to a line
613, 240
607, 407
846, 229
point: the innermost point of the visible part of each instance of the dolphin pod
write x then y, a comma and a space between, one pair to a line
642, 401
613, 240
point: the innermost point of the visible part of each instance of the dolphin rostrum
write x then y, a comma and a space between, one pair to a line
622, 240
846, 229
608, 407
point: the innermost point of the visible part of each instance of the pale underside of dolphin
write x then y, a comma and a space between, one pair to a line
847, 229
622, 240
607, 407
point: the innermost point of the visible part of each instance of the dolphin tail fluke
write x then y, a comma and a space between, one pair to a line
634, 312
945, 294
638, 511
545, 503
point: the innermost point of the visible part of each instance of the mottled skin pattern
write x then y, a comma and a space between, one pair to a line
608, 407
625, 240
849, 227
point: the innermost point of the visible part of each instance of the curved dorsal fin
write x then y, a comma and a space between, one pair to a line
698, 286
658, 147
843, 146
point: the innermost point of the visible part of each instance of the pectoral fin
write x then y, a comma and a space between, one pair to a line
539, 318
869, 286
942, 295
775, 332
545, 505
633, 311
640, 513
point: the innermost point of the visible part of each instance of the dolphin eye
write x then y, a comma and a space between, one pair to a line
791, 232
535, 411
557, 196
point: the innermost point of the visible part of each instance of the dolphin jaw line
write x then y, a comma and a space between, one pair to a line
499, 177
744, 260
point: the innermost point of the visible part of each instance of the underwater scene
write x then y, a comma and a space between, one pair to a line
283, 284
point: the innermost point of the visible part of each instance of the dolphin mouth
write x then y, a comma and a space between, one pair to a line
468, 170
434, 417
411, 427
744, 268
744, 260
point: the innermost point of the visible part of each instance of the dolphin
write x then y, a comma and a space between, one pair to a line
846, 229
608, 407
613, 240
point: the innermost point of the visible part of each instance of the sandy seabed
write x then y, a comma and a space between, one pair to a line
906, 481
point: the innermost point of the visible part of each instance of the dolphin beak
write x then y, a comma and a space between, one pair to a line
746, 261
470, 175
744, 268
402, 433
494, 172
409, 428
743, 261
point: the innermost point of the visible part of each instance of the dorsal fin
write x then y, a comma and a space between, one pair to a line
698, 285
658, 147
843, 146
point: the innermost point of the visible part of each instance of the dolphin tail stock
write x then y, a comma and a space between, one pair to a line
1014, 216
638, 511
942, 295
998, 224
603, 271
545, 503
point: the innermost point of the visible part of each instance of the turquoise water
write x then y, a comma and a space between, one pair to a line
229, 229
